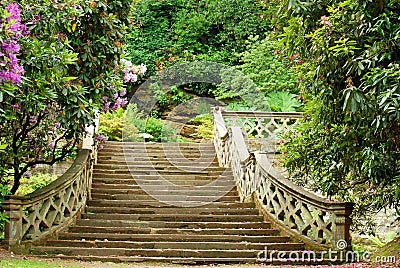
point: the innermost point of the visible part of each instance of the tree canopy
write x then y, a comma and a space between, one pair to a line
349, 144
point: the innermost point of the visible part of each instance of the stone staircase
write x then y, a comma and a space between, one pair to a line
199, 219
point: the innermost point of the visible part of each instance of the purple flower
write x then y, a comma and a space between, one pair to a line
120, 102
10, 46
28, 174
101, 138
124, 102
106, 106
13, 59
52, 144
32, 119
15, 12
100, 147
130, 77
16, 107
105, 98
115, 96
123, 92
57, 125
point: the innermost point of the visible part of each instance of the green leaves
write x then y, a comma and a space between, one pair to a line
173, 31
283, 101
344, 47
350, 138
353, 99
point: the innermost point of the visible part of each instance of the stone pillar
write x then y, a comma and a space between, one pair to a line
13, 228
342, 231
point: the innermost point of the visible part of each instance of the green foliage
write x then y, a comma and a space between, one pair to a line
159, 130
4, 190
205, 129
37, 181
283, 101
131, 125
238, 106
262, 62
112, 124
168, 97
170, 31
349, 144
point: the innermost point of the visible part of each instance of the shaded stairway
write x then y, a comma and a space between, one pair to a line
199, 218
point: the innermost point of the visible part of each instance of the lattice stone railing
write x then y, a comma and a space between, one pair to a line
261, 124
46, 211
318, 222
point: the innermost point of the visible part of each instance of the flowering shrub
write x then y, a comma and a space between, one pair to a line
59, 63
11, 30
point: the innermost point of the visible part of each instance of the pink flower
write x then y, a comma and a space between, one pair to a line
325, 21
299, 79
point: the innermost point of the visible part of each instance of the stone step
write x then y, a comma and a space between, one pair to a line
134, 185
128, 176
155, 184
164, 198
130, 158
151, 171
178, 191
173, 237
157, 204
200, 219
202, 253
174, 217
132, 154
168, 211
151, 165
160, 169
155, 162
146, 230
159, 152
173, 224
174, 260
190, 261
175, 245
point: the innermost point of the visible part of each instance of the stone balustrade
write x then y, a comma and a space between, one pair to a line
317, 221
46, 211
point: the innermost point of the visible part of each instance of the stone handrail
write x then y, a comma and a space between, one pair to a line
261, 124
319, 222
46, 211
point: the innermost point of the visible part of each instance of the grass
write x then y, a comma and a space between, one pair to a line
32, 264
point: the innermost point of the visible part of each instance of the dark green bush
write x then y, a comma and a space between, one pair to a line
349, 144
263, 63
171, 31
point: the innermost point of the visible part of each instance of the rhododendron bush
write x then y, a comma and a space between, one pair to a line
59, 64
349, 143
